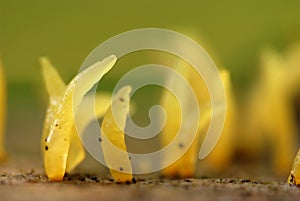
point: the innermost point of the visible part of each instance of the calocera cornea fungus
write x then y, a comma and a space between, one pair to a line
221, 156
2, 111
113, 138
61, 147
269, 114
185, 165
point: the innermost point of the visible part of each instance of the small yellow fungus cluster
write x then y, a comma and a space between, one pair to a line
267, 115
61, 146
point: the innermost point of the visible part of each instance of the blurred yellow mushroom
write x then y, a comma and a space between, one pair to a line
185, 166
270, 118
222, 154
2, 111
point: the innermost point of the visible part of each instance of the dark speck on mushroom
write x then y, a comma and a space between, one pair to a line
46, 148
180, 145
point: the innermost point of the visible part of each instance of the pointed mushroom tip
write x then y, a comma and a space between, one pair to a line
112, 58
109, 62
126, 89
43, 60
202, 154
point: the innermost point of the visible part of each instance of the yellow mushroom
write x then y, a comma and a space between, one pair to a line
61, 147
270, 120
294, 178
186, 164
113, 139
2, 111
223, 152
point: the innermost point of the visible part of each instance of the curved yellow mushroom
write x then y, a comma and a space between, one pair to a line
113, 139
2, 111
62, 148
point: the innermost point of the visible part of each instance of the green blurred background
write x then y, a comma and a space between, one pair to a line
233, 32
